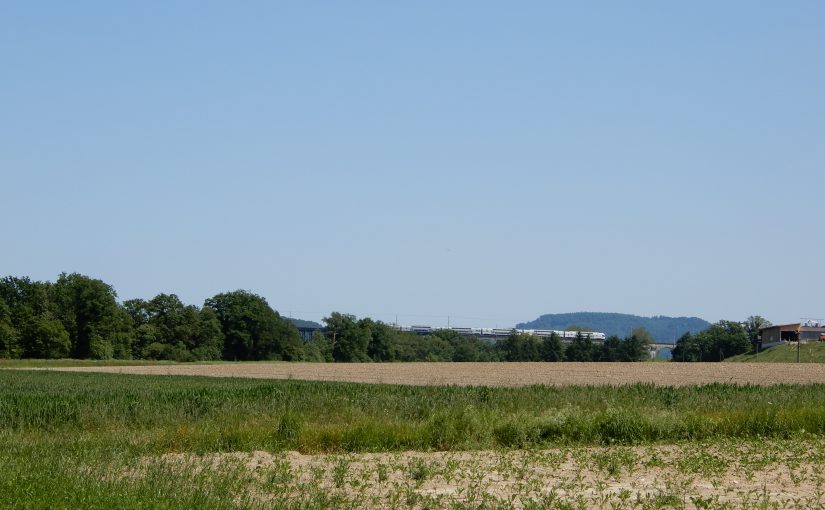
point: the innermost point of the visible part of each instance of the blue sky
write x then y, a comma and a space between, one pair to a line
486, 161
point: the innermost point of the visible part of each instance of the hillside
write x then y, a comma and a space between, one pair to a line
663, 329
300, 323
786, 353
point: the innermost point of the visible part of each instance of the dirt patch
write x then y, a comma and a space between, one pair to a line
686, 476
497, 374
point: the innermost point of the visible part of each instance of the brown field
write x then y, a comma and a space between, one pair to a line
496, 374
760, 475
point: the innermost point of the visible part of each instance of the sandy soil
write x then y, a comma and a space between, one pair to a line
687, 476
496, 374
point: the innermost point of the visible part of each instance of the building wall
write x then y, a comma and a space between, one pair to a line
811, 334
771, 335
779, 333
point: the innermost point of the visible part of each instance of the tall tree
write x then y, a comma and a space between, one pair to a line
610, 350
9, 336
642, 334
252, 329
144, 334
689, 348
729, 337
721, 340
350, 339
45, 338
752, 326
581, 348
382, 340
635, 348
520, 347
317, 349
33, 331
89, 312
208, 343
551, 348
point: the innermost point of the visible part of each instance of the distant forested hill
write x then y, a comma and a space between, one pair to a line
300, 323
663, 329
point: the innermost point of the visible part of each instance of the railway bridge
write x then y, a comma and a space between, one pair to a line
657, 348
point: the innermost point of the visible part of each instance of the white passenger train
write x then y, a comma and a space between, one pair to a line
496, 332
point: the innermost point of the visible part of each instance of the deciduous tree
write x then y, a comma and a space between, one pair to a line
752, 326
252, 329
581, 348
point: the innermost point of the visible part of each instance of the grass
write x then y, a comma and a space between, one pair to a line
220, 414
81, 440
813, 352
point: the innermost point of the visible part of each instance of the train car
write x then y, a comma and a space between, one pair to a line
421, 329
548, 332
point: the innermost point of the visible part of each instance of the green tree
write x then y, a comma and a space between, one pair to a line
434, 348
752, 326
209, 340
729, 337
382, 340
721, 340
635, 348
350, 339
520, 347
581, 348
689, 348
614, 348
138, 311
144, 333
25, 299
9, 336
89, 312
552, 348
45, 337
31, 331
252, 329
317, 349
466, 348
190, 334
610, 350
643, 335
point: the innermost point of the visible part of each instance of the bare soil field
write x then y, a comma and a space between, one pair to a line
496, 374
774, 475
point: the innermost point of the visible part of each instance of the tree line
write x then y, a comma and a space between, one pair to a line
346, 338
721, 340
77, 316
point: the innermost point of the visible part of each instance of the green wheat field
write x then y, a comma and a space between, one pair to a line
74, 440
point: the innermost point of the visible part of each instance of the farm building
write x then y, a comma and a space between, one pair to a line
800, 331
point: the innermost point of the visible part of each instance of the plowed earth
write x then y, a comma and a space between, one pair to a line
745, 476
496, 374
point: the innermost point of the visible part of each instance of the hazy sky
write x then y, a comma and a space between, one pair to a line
491, 161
